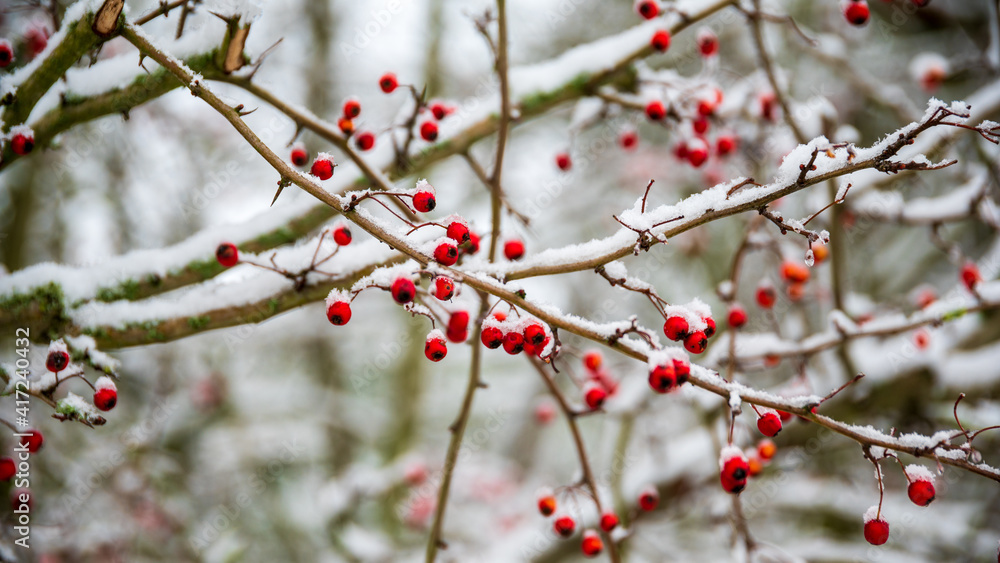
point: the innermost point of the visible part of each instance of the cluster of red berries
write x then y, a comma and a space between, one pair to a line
105, 390
600, 383
564, 525
921, 491
693, 329
36, 38
668, 370
524, 334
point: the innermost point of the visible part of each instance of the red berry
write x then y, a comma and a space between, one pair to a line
593, 360
444, 288
706, 108
403, 290
424, 201
429, 131
592, 544
547, 505
492, 337
446, 253
696, 342
564, 526
660, 40
563, 161
342, 235
793, 272
458, 326
440, 111
339, 312
766, 449
594, 395
769, 424
364, 140
648, 9
737, 316
106, 399
458, 231
970, 275
725, 144
655, 110
683, 370
435, 348
768, 105
649, 498
700, 125
6, 53
352, 109
784, 415
22, 143
877, 531
472, 245
629, 139
675, 328
299, 155
709, 327
766, 296
56, 361
609, 521
513, 249
7, 468
33, 441
662, 379
346, 126
513, 343
36, 39
534, 333
322, 167
227, 254
388, 82
734, 469
708, 43
857, 12
697, 152
921, 492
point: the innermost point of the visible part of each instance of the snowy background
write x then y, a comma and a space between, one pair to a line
294, 440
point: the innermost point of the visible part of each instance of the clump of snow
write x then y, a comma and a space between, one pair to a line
435, 334
871, 513
424, 186
735, 401
57, 346
665, 357
337, 296
916, 472
105, 383
730, 452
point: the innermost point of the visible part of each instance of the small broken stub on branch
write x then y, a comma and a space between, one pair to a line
106, 19
234, 55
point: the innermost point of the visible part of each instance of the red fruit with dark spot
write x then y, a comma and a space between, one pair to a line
513, 343
403, 290
769, 424
342, 235
709, 327
564, 526
857, 12
105, 399
22, 143
429, 131
534, 333
472, 246
364, 140
444, 288
734, 473
491, 337
648, 9
352, 109
458, 231
7, 468
513, 249
609, 521
970, 275
655, 110
439, 111
6, 53
675, 328
660, 40
339, 312
595, 395
696, 342
227, 254
877, 531
435, 349
424, 201
737, 316
592, 544
649, 498
766, 296
547, 505
662, 379
446, 253
56, 361
388, 82
322, 168
33, 441
458, 326
346, 126
708, 43
563, 161
299, 156
921, 492
682, 369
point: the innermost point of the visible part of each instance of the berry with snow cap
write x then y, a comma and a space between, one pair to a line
513, 249
403, 290
227, 254
682, 369
564, 526
299, 155
649, 497
58, 356
323, 166
697, 152
105, 393
435, 348
22, 140
6, 53
734, 468
592, 544
342, 235
662, 378
921, 488
446, 252
444, 288
458, 230
458, 326
338, 307
424, 198
876, 529
696, 342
